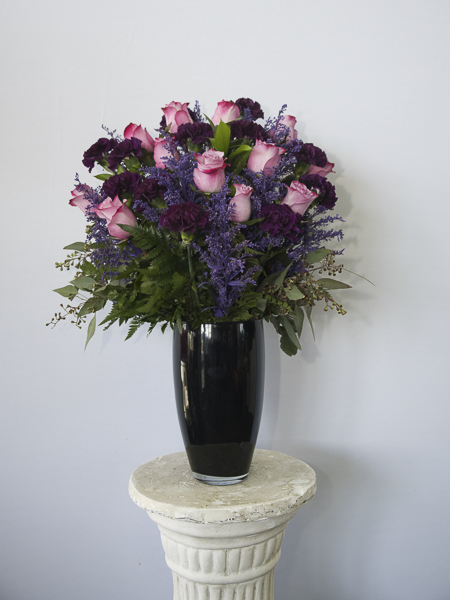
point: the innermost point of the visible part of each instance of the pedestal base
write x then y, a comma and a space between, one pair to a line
223, 543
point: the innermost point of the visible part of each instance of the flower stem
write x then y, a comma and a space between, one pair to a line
191, 273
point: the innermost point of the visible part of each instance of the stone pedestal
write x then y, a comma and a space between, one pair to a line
223, 543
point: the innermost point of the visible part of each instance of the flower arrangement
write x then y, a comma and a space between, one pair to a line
220, 219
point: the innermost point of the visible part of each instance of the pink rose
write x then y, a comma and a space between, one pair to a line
209, 176
176, 114
163, 151
322, 171
264, 157
241, 206
79, 200
141, 134
116, 213
226, 112
290, 122
299, 197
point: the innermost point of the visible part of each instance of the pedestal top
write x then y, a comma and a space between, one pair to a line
277, 484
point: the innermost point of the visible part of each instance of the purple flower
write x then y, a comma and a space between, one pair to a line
186, 217
123, 150
312, 155
280, 220
97, 151
248, 129
254, 107
323, 187
196, 132
148, 190
119, 184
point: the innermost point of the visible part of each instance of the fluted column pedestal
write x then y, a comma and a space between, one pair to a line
223, 543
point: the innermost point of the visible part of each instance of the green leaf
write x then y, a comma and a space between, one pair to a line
84, 283
214, 127
333, 284
298, 318
91, 330
308, 310
68, 291
132, 163
79, 246
290, 331
221, 141
287, 346
316, 256
92, 305
103, 176
261, 304
242, 148
281, 277
294, 293
240, 162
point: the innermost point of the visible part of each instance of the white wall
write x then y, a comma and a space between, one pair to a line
366, 404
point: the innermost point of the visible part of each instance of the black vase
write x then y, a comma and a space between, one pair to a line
219, 387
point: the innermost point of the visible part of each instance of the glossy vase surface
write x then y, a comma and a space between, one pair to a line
219, 388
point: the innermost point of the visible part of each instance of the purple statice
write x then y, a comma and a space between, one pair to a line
228, 274
186, 217
275, 128
311, 155
279, 219
196, 132
248, 129
124, 183
97, 152
123, 150
196, 114
323, 187
178, 180
250, 109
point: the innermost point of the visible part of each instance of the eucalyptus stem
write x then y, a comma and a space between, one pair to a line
191, 273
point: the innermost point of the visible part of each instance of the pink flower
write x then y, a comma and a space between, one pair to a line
264, 157
176, 114
226, 112
322, 171
241, 204
209, 176
299, 197
116, 213
162, 152
289, 121
78, 198
141, 134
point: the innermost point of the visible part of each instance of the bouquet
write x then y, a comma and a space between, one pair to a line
213, 219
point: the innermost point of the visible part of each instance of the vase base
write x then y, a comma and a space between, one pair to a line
211, 480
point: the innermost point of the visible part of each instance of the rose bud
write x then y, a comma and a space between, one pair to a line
322, 171
116, 213
176, 114
163, 151
299, 197
241, 206
79, 200
209, 176
141, 134
226, 111
289, 122
264, 157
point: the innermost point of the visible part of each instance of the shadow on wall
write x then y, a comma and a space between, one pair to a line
326, 552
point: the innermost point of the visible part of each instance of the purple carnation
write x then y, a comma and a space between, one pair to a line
123, 183
254, 107
323, 187
148, 190
184, 217
196, 132
248, 129
123, 150
312, 155
279, 219
97, 151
